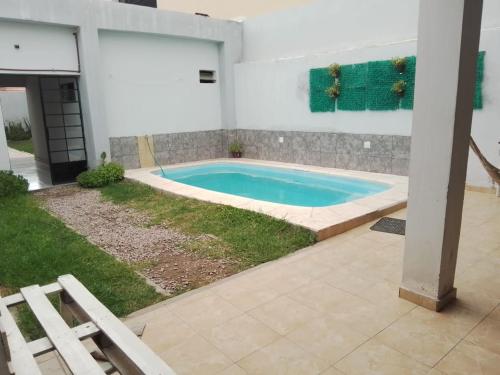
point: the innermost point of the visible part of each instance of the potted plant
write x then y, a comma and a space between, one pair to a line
399, 63
334, 70
399, 88
236, 149
333, 91
103, 157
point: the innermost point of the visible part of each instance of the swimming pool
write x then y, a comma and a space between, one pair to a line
278, 185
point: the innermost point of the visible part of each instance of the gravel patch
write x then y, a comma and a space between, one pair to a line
127, 235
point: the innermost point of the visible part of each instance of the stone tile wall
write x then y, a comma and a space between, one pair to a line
387, 154
170, 148
125, 150
184, 147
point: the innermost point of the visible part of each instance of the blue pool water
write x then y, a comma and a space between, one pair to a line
279, 185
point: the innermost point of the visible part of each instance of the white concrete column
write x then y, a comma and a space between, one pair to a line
93, 101
448, 42
4, 151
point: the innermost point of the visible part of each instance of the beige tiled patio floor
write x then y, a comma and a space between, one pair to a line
333, 309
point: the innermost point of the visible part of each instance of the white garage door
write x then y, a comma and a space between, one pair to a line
30, 48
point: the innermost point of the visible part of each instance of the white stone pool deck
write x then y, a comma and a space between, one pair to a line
324, 221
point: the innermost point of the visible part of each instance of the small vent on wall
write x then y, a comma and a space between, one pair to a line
207, 76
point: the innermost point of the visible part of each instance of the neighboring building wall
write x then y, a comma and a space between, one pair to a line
272, 84
229, 9
14, 106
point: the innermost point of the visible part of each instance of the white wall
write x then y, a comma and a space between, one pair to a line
326, 26
274, 95
41, 47
151, 84
14, 106
272, 82
36, 117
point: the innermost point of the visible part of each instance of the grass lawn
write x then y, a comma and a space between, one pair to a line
26, 145
248, 237
36, 248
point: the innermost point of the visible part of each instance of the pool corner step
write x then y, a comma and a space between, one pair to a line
349, 224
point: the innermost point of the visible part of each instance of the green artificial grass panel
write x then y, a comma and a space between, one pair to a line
478, 91
409, 77
381, 76
353, 83
319, 81
369, 86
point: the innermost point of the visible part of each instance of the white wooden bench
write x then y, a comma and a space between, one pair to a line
124, 351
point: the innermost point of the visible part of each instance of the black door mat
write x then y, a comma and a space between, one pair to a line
390, 225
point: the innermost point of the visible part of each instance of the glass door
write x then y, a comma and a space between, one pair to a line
63, 127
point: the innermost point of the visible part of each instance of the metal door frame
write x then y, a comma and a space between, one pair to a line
83, 163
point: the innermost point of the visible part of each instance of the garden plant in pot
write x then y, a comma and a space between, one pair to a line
334, 70
399, 88
333, 91
399, 63
236, 149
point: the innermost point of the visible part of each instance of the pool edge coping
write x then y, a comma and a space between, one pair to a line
325, 222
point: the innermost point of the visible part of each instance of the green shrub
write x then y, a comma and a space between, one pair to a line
91, 179
101, 176
11, 185
112, 172
16, 131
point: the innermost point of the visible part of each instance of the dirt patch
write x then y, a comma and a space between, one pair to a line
5, 291
160, 253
